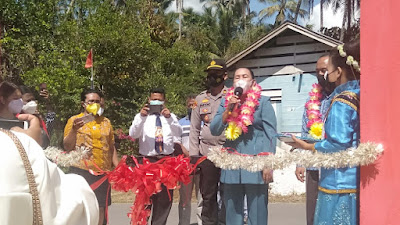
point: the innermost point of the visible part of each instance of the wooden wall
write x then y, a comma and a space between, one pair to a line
295, 90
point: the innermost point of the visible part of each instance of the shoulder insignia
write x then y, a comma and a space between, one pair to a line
348, 98
194, 104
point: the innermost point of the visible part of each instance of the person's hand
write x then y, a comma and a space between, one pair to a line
300, 144
78, 123
44, 94
34, 130
166, 113
233, 101
300, 173
267, 175
145, 110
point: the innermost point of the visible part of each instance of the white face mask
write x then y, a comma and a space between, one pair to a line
100, 111
156, 102
15, 106
243, 84
30, 107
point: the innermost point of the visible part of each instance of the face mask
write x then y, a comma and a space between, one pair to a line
100, 112
15, 106
30, 107
243, 84
215, 81
330, 85
327, 86
156, 102
93, 108
189, 112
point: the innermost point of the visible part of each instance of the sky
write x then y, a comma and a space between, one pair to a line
330, 19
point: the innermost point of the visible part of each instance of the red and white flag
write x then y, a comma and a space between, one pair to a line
89, 60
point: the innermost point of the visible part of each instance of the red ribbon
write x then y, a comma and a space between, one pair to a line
145, 180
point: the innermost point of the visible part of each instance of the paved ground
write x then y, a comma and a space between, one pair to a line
279, 214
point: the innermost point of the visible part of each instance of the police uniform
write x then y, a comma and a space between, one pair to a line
201, 140
205, 110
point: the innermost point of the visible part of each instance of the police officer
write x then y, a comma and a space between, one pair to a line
201, 139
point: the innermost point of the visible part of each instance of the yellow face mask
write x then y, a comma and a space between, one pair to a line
93, 108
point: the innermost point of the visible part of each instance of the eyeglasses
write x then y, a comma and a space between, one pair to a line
326, 74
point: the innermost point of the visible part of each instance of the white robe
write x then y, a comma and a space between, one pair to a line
65, 199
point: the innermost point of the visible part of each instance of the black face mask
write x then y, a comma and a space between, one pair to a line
189, 112
214, 81
327, 86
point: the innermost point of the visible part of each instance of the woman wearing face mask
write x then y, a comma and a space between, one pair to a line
249, 124
339, 188
11, 105
31, 107
95, 132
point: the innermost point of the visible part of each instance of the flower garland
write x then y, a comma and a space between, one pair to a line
364, 154
242, 117
64, 158
350, 59
315, 123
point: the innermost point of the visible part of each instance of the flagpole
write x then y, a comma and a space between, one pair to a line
92, 73
91, 79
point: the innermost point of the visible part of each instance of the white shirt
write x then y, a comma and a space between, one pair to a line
64, 198
144, 129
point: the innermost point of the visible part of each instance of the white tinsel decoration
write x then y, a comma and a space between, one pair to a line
364, 154
66, 159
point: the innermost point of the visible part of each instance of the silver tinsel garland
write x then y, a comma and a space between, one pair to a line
65, 159
364, 154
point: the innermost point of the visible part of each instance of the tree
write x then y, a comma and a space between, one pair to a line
179, 8
349, 8
285, 9
300, 11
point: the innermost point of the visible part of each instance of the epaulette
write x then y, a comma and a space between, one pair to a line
349, 98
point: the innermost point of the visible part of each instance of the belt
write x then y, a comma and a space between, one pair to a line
337, 191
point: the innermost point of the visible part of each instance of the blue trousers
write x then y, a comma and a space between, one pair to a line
336, 209
257, 203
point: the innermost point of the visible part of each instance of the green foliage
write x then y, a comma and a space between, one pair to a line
244, 40
132, 54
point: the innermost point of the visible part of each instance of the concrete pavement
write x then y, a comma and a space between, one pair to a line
279, 214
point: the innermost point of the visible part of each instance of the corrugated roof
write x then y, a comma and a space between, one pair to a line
285, 26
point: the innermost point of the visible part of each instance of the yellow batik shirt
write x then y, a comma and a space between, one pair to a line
97, 135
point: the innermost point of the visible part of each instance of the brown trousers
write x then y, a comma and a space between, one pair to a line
312, 179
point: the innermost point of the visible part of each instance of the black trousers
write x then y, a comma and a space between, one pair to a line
312, 179
161, 202
209, 179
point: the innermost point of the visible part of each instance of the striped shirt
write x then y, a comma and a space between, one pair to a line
185, 124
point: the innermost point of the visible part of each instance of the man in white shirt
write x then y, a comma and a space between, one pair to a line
157, 130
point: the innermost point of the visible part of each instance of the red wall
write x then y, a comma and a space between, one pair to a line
380, 110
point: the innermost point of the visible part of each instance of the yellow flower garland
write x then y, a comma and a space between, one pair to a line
232, 131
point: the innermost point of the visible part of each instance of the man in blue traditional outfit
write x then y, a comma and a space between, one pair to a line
253, 113
338, 187
312, 174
